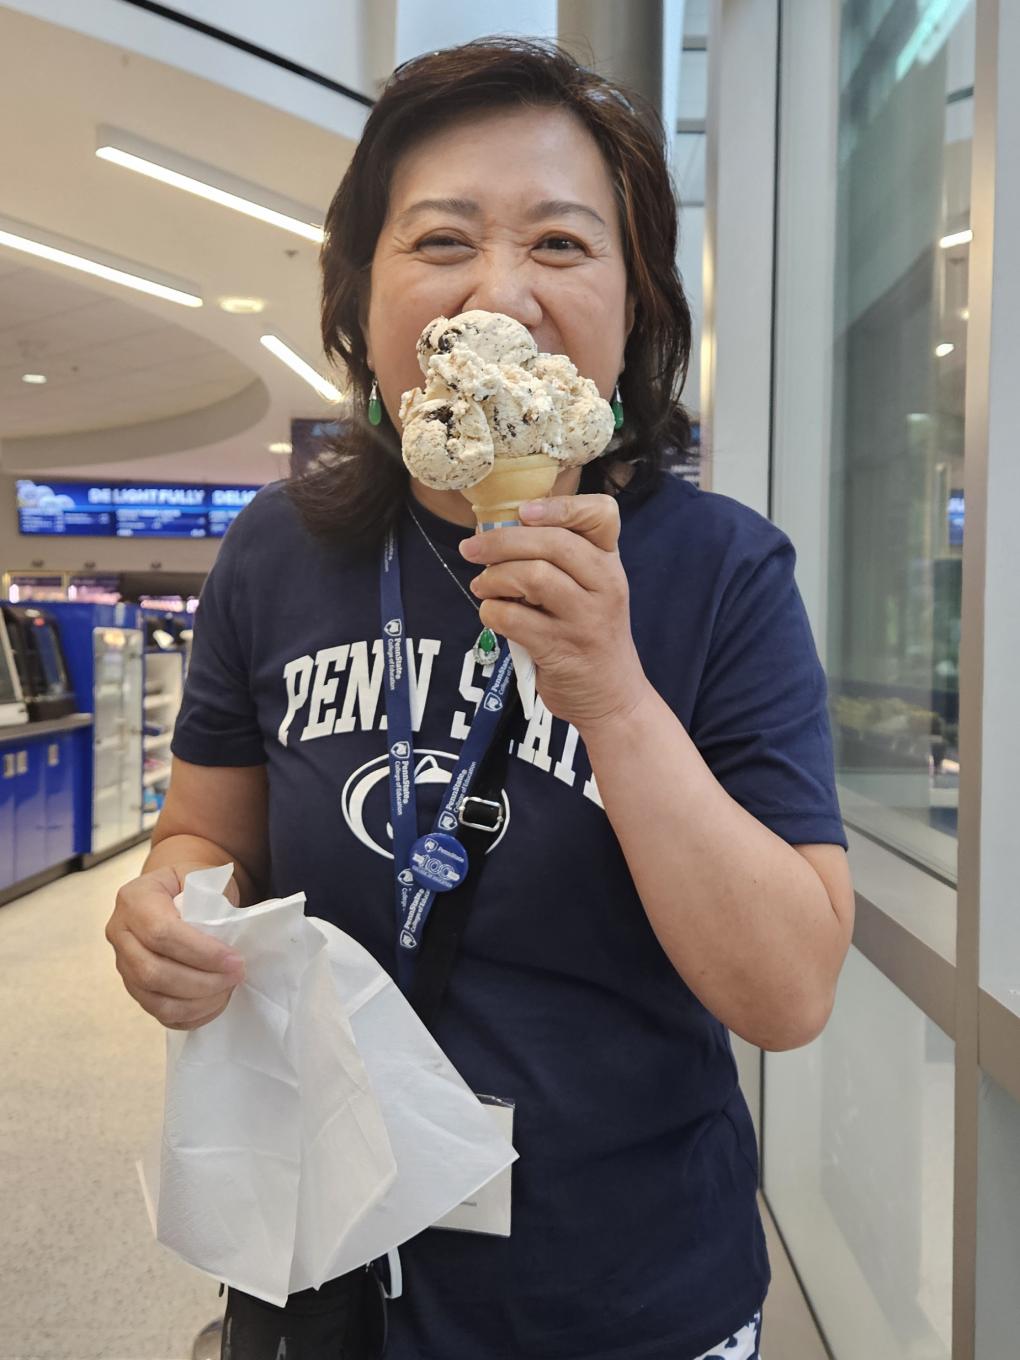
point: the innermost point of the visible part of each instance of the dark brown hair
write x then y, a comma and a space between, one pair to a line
355, 492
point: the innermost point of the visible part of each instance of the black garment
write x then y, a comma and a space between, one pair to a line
344, 1320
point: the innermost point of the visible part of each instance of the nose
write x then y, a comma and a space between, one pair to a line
503, 285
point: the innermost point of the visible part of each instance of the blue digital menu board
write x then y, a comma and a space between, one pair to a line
129, 509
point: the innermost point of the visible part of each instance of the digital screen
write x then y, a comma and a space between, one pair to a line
954, 515
129, 509
308, 438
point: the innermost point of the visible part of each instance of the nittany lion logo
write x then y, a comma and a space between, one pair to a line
406, 877
400, 750
393, 628
493, 703
408, 940
365, 799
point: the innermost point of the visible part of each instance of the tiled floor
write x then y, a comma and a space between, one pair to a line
81, 1277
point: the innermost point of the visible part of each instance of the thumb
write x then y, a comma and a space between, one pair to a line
594, 517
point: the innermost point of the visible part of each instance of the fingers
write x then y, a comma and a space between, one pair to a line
174, 971
540, 633
572, 554
596, 518
539, 584
154, 973
145, 908
174, 1013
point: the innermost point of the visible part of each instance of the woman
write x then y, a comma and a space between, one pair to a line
673, 861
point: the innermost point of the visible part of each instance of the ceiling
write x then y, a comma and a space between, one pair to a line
107, 363
127, 373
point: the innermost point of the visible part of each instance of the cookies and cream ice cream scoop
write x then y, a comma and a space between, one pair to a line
484, 369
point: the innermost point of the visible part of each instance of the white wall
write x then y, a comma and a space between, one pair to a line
423, 27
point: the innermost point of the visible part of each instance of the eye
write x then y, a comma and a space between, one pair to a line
559, 244
440, 242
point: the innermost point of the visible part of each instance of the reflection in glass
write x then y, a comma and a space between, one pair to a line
998, 1222
899, 365
858, 1152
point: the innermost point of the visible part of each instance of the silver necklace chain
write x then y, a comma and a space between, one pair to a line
486, 649
438, 556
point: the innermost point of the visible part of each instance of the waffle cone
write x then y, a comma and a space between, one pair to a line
498, 497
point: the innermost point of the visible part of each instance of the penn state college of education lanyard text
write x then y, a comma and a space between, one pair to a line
436, 862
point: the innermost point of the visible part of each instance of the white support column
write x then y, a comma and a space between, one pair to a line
736, 352
805, 272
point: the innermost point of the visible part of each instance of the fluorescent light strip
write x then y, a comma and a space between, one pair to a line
937, 21
101, 271
956, 238
286, 355
190, 185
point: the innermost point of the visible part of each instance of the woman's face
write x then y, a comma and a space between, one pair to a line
511, 212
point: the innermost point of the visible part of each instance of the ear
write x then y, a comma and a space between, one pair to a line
630, 312
363, 323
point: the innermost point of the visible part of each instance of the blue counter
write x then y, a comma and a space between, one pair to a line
40, 793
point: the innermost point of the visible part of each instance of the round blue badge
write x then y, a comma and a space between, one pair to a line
438, 862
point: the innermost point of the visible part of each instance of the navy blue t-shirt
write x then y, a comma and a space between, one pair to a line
636, 1233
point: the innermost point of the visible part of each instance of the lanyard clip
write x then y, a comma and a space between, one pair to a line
491, 813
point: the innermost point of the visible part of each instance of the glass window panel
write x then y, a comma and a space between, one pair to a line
689, 170
693, 100
998, 1224
858, 1162
899, 368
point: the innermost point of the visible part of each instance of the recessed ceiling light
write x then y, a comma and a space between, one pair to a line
208, 182
33, 377
301, 367
241, 306
59, 250
281, 447
942, 350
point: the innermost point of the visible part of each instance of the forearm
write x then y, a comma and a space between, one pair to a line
195, 852
744, 918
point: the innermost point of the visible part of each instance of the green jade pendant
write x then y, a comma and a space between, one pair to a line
486, 649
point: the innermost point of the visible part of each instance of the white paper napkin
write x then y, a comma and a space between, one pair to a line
315, 1124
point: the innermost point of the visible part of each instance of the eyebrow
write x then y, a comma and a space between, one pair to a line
469, 207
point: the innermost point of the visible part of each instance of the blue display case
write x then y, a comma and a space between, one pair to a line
39, 811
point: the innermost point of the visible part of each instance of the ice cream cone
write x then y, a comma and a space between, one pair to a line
497, 498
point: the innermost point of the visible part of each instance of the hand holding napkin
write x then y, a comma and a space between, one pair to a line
315, 1124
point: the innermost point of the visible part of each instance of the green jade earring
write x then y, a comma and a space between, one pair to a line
616, 405
374, 404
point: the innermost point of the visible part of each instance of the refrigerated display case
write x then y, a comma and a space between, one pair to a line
104, 645
164, 689
117, 748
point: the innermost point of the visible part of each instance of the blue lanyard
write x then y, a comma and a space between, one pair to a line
436, 862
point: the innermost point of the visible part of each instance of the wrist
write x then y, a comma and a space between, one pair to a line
620, 717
